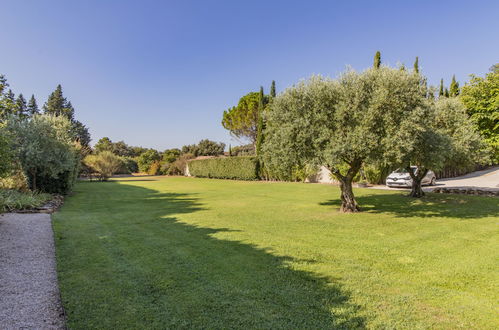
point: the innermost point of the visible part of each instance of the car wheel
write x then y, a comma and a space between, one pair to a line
433, 180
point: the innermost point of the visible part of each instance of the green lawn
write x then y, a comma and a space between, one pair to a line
180, 252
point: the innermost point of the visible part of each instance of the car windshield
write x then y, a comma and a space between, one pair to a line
401, 170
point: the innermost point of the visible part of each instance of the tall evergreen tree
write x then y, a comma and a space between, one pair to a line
272, 89
21, 108
9, 102
416, 65
454, 87
57, 105
259, 137
446, 93
441, 90
33, 106
377, 59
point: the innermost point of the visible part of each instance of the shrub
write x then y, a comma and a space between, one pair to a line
16, 180
5, 152
128, 166
239, 168
46, 152
155, 168
146, 159
104, 163
178, 166
12, 200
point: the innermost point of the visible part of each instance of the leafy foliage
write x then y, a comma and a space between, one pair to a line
242, 120
205, 148
146, 159
340, 122
239, 168
6, 153
104, 163
13, 200
46, 152
481, 99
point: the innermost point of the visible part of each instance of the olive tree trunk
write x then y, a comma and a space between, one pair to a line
348, 202
417, 178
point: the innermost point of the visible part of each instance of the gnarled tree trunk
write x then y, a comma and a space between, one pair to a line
348, 202
417, 178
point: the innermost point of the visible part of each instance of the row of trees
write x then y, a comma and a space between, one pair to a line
383, 117
110, 157
40, 148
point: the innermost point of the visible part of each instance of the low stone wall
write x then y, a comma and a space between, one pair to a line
467, 190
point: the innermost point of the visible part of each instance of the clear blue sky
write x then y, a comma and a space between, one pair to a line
160, 73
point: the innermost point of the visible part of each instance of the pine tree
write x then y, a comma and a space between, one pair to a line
377, 60
21, 108
9, 102
441, 90
272, 89
259, 137
33, 106
57, 105
454, 87
416, 65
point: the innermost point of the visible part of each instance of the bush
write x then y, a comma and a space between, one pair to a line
146, 159
128, 166
155, 168
104, 163
238, 168
44, 147
12, 200
178, 166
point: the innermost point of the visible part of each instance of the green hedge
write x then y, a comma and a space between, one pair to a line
237, 168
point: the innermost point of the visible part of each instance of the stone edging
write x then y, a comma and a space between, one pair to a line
493, 192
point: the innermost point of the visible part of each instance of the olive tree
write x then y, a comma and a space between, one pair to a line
341, 123
45, 150
440, 135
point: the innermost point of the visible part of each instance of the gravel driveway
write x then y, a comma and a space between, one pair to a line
29, 295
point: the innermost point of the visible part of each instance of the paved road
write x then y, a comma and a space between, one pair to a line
487, 179
29, 294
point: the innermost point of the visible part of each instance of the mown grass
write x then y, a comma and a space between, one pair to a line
199, 253
13, 200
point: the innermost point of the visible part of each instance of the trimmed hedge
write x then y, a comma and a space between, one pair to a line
236, 168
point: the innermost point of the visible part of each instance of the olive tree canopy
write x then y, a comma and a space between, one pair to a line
341, 123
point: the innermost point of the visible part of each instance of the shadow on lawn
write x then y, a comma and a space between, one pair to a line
172, 274
432, 205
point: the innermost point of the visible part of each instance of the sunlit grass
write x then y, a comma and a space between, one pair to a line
199, 253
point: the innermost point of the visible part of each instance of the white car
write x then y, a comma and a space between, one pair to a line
401, 178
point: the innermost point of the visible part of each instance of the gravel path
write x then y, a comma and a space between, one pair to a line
29, 295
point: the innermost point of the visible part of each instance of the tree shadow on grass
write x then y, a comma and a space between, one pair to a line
432, 205
138, 266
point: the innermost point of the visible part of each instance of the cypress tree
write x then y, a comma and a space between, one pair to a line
272, 89
454, 87
32, 106
377, 60
446, 93
230, 150
259, 136
21, 106
402, 67
441, 91
416, 65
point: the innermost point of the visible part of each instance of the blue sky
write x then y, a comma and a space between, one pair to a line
160, 73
